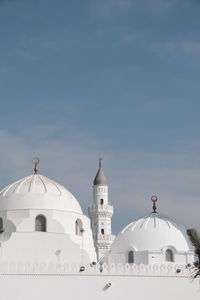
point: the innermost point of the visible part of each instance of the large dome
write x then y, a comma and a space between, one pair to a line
38, 192
153, 232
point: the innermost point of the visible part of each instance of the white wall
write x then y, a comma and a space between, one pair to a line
43, 247
76, 287
20, 242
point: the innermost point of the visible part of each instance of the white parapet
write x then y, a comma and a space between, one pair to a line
158, 270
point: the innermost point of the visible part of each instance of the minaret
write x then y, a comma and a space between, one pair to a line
100, 213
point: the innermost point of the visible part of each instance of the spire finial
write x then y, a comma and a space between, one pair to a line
100, 161
154, 199
36, 162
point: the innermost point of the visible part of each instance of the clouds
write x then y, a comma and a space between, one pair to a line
113, 8
190, 48
106, 8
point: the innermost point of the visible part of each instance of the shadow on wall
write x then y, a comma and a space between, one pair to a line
6, 229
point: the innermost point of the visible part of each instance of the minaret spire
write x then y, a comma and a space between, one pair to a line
100, 178
100, 213
100, 161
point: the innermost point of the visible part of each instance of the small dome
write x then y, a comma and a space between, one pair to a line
37, 192
100, 178
152, 232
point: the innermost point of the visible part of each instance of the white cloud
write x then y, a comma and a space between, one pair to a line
159, 5
107, 8
190, 47
176, 49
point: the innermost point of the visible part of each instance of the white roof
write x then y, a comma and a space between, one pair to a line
153, 232
37, 192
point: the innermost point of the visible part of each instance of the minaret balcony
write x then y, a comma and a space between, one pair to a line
105, 237
101, 207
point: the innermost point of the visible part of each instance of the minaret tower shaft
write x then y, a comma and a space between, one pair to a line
100, 213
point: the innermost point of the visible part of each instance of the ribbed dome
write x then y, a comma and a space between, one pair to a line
37, 192
152, 232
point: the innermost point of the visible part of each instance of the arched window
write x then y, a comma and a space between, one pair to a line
130, 257
78, 227
1, 225
102, 231
101, 201
40, 223
169, 256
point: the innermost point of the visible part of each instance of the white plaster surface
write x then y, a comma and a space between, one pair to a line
77, 287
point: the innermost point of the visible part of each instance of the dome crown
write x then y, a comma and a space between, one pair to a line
37, 192
38, 184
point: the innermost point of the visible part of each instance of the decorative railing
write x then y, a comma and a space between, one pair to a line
105, 237
107, 207
168, 270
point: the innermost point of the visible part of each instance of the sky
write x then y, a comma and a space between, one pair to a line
112, 78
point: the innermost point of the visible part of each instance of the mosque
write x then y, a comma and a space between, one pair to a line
50, 250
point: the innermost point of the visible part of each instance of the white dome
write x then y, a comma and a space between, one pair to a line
37, 192
153, 232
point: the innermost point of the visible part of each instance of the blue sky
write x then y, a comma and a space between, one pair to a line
111, 78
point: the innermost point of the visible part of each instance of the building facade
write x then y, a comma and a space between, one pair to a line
49, 249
